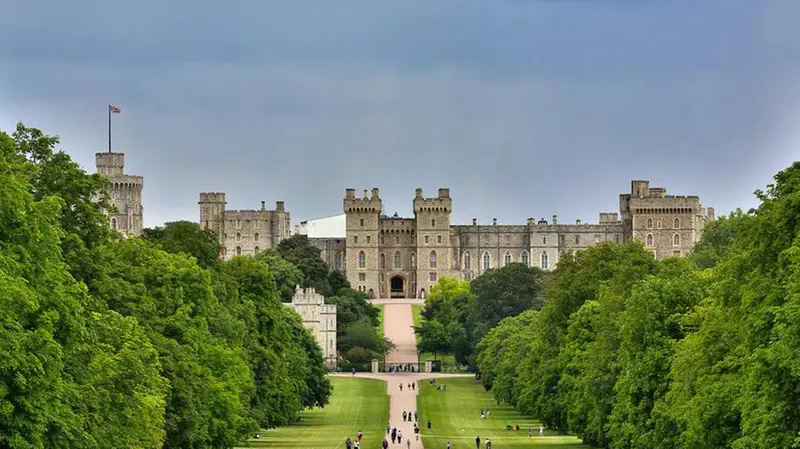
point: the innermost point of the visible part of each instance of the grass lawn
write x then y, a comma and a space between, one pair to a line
355, 404
380, 331
455, 416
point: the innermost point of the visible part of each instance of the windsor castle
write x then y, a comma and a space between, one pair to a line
392, 256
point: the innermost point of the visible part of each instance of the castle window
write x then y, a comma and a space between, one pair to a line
649, 223
433, 277
545, 261
438, 239
577, 239
383, 261
238, 250
544, 240
433, 259
487, 261
361, 222
355, 240
467, 261
507, 258
468, 276
382, 240
114, 224
649, 239
433, 222
255, 236
676, 240
398, 260
658, 224
677, 223
256, 250
397, 240
426, 239
225, 235
362, 277
369, 239
362, 260
337, 261
238, 237
526, 259
413, 260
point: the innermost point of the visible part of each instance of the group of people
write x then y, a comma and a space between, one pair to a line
411, 386
349, 444
397, 436
403, 368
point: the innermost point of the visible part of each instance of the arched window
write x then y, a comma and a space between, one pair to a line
649, 239
114, 224
649, 223
256, 250
544, 240
526, 259
545, 261
676, 240
467, 261
383, 261
398, 260
433, 260
677, 223
255, 236
238, 250
413, 259
337, 261
362, 260
487, 261
507, 258
658, 224
238, 237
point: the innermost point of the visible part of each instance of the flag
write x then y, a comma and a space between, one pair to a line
113, 109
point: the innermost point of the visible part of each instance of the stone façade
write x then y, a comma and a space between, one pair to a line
243, 232
394, 256
320, 318
125, 192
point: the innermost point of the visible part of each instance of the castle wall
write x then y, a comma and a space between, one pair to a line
320, 318
125, 192
243, 232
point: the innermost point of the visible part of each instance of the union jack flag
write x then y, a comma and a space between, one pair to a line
113, 109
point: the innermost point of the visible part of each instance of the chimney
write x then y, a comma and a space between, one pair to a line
444, 193
375, 193
263, 205
365, 194
531, 221
577, 222
419, 193
279, 206
350, 193
474, 222
494, 221
555, 219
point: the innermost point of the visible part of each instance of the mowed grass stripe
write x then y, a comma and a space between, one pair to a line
355, 404
455, 415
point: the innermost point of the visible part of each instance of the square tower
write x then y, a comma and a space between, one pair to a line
125, 192
433, 246
362, 228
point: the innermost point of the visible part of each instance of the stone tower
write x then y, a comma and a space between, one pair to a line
361, 250
125, 192
212, 212
432, 216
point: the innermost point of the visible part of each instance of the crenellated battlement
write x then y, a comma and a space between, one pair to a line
365, 204
441, 203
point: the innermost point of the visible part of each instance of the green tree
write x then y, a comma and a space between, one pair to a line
298, 250
717, 238
287, 276
188, 238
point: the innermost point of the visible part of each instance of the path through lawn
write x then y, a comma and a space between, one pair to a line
455, 416
355, 404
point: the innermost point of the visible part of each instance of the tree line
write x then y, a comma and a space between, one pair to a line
629, 352
146, 342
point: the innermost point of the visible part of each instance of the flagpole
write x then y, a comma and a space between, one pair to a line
109, 129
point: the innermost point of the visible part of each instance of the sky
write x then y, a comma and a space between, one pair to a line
523, 108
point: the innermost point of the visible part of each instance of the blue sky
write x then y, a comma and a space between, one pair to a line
522, 108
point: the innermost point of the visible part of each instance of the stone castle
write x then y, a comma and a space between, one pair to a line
393, 256
125, 192
243, 232
320, 318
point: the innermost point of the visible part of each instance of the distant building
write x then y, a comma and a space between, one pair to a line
243, 232
327, 234
320, 318
125, 192
387, 256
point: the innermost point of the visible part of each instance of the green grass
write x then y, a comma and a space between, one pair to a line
380, 331
355, 404
455, 416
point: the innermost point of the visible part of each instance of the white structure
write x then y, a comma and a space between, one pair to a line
326, 227
320, 318
125, 192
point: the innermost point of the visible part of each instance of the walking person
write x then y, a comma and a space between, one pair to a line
415, 416
541, 430
388, 428
404, 415
449, 446
429, 424
478, 442
399, 436
394, 435
359, 436
348, 443
408, 443
385, 444
530, 431
401, 386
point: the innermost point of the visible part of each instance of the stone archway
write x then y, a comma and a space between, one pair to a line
397, 286
422, 294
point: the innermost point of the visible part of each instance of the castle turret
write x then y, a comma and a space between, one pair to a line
212, 214
361, 250
125, 192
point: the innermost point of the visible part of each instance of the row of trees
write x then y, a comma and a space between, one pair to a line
149, 342
630, 352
